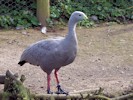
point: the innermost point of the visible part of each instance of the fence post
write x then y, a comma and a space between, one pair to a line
43, 11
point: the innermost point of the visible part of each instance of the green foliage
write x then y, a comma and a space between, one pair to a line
22, 18
86, 23
22, 12
105, 10
18, 14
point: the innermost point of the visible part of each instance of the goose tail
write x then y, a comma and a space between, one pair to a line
21, 63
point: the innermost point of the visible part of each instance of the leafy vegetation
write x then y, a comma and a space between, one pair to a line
105, 10
22, 12
18, 13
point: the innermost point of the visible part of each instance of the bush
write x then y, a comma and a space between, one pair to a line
104, 10
18, 13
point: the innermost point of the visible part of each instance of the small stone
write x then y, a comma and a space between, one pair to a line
131, 55
24, 32
103, 68
19, 27
30, 86
44, 30
39, 80
99, 59
122, 72
94, 18
83, 79
117, 67
41, 87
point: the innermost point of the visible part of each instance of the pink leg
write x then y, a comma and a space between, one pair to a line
59, 90
48, 84
56, 76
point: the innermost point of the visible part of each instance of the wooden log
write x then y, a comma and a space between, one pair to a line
71, 97
99, 97
124, 97
61, 96
8, 73
14, 88
2, 78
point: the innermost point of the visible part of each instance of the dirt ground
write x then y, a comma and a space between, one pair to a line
105, 59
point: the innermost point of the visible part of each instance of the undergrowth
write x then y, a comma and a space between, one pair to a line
119, 11
18, 13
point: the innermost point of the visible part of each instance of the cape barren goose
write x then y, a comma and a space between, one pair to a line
52, 54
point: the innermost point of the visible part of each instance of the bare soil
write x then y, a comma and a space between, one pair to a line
105, 59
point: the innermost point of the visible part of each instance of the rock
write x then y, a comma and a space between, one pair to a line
19, 28
94, 18
24, 32
44, 30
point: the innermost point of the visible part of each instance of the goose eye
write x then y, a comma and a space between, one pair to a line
79, 15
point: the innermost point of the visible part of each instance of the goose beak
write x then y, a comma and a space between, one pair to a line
85, 17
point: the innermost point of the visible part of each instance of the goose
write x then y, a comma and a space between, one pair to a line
54, 53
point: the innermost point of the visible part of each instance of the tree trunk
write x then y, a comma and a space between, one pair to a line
43, 11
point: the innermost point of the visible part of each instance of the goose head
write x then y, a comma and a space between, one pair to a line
78, 16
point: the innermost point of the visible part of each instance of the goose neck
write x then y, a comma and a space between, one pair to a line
71, 26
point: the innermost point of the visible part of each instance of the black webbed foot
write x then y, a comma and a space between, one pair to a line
49, 92
60, 91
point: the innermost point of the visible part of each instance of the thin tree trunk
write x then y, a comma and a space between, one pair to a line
43, 11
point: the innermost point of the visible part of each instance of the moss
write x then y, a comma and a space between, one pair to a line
5, 96
15, 88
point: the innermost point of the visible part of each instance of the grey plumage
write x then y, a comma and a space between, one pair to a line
56, 52
50, 54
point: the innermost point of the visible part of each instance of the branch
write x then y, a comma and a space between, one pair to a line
124, 97
61, 96
71, 96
